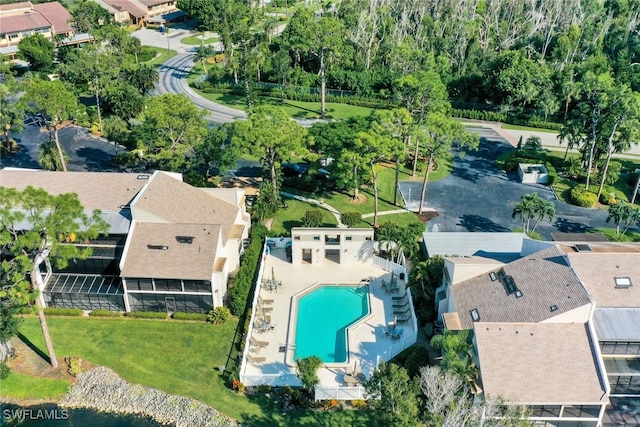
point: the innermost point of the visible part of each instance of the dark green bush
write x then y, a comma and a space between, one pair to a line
189, 316
312, 218
632, 178
147, 53
553, 173
218, 315
350, 219
29, 310
54, 311
147, 314
104, 313
583, 198
5, 370
241, 289
418, 358
608, 196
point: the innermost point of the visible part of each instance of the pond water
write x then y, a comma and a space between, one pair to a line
51, 415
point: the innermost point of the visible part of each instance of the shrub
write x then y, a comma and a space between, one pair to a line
28, 309
350, 219
218, 315
146, 314
418, 358
632, 179
238, 386
147, 53
239, 292
54, 311
553, 173
581, 197
104, 313
608, 196
5, 370
189, 316
359, 403
312, 218
75, 365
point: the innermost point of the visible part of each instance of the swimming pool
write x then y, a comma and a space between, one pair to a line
323, 316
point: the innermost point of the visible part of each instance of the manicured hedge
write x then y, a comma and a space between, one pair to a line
553, 173
104, 313
146, 315
608, 196
53, 311
189, 316
241, 289
582, 197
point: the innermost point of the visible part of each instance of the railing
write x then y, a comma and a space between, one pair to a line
388, 266
254, 306
273, 380
339, 393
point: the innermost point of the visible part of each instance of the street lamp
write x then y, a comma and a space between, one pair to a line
166, 33
409, 201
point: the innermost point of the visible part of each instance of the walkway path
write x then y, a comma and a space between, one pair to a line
323, 205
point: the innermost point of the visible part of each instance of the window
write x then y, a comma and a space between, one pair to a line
316, 237
622, 282
620, 347
13, 36
545, 410
296, 237
581, 411
368, 238
348, 238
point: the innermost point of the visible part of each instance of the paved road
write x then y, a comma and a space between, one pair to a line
479, 197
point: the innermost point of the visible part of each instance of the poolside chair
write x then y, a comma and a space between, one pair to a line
403, 319
400, 304
350, 379
253, 349
258, 343
265, 301
401, 310
256, 359
265, 309
398, 298
397, 333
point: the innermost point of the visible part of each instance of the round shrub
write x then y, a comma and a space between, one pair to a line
5, 370
608, 196
583, 198
218, 315
350, 219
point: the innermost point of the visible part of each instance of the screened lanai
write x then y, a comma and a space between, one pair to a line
85, 291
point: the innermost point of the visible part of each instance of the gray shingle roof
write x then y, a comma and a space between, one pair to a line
545, 280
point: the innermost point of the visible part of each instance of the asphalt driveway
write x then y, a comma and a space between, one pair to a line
479, 197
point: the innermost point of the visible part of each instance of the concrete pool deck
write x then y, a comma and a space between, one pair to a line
368, 344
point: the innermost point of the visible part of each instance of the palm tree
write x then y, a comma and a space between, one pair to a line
544, 209
573, 135
623, 213
525, 209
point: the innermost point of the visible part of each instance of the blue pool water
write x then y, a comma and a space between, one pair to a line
323, 316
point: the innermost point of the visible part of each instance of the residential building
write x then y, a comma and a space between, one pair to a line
171, 247
339, 245
138, 12
19, 20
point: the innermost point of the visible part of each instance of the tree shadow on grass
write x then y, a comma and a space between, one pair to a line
33, 347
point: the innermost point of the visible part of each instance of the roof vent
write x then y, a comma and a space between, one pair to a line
185, 239
582, 247
553, 308
158, 247
622, 282
519, 293
143, 176
475, 316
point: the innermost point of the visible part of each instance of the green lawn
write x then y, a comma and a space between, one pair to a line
291, 216
196, 40
527, 128
25, 387
610, 234
296, 109
162, 56
178, 357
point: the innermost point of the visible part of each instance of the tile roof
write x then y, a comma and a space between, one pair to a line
545, 280
8, 8
168, 199
598, 272
96, 190
539, 363
179, 260
24, 22
57, 15
134, 8
150, 3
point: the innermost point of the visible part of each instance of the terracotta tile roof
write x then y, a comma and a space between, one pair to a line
179, 260
598, 272
57, 15
96, 190
545, 280
23, 22
8, 8
167, 199
134, 9
539, 363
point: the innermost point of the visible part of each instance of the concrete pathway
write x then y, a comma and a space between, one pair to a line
389, 212
323, 205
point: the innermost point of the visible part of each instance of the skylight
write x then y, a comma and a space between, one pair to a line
185, 239
475, 316
493, 276
622, 282
143, 176
553, 308
158, 247
581, 247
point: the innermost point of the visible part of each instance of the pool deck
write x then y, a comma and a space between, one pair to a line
368, 344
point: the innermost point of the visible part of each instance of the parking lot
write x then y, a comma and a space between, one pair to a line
479, 197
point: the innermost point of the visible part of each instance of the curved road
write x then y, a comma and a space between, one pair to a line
172, 78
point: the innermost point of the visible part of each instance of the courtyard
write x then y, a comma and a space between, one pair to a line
268, 357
